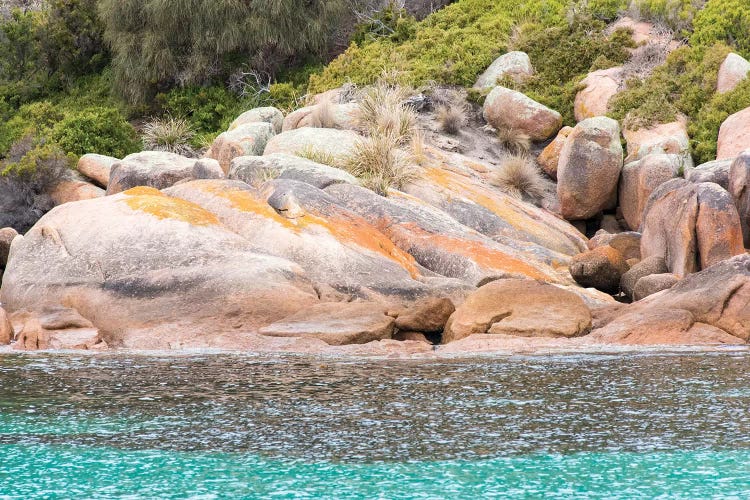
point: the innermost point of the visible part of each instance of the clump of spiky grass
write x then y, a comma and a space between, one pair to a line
513, 140
323, 115
382, 112
418, 148
452, 118
380, 164
519, 176
169, 134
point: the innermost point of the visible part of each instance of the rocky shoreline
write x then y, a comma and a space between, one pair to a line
268, 244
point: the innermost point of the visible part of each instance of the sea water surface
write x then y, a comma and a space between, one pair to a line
240, 426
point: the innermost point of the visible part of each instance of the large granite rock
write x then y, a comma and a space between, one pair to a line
734, 135
136, 264
523, 308
646, 267
653, 283
427, 316
589, 168
74, 190
255, 169
515, 65
249, 139
337, 143
691, 226
638, 181
267, 114
599, 87
158, 169
704, 308
336, 324
732, 72
7, 234
324, 115
6, 328
739, 188
508, 109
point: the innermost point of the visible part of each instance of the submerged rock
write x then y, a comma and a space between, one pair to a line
523, 308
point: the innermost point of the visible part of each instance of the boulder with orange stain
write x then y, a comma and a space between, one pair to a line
244, 140
74, 190
509, 109
599, 87
296, 221
150, 271
691, 226
734, 135
549, 158
437, 241
600, 268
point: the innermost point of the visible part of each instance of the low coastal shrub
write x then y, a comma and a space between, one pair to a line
704, 129
99, 129
452, 46
725, 21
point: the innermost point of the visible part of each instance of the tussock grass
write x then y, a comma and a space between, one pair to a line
323, 115
518, 176
169, 134
380, 163
514, 141
452, 118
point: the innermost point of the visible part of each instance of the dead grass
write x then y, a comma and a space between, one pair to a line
519, 176
418, 149
318, 156
514, 141
169, 134
380, 163
452, 118
323, 116
382, 112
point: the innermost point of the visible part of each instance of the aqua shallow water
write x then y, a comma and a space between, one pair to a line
231, 426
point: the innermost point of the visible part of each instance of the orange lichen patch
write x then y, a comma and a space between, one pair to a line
164, 207
143, 190
478, 252
345, 227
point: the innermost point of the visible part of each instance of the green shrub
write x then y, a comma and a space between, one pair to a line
391, 22
704, 129
563, 55
726, 21
96, 130
34, 119
683, 85
207, 108
451, 46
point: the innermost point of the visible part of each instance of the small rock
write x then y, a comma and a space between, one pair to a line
249, 139
413, 336
96, 167
653, 283
732, 72
7, 234
600, 87
665, 138
646, 267
734, 135
508, 109
70, 191
156, 169
515, 65
549, 158
267, 114
600, 268
427, 316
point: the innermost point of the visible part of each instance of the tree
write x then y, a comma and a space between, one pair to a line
158, 44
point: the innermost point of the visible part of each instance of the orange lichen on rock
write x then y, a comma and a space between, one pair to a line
346, 228
153, 202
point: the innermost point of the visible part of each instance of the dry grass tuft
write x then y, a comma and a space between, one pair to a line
452, 118
382, 112
380, 163
323, 116
418, 148
318, 156
514, 141
169, 134
518, 176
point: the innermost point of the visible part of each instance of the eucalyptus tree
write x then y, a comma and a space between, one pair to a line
157, 44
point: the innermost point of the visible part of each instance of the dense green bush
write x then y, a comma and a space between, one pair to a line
157, 45
451, 46
208, 109
102, 130
704, 129
726, 21
562, 56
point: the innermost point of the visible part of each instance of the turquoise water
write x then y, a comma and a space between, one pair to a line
231, 426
